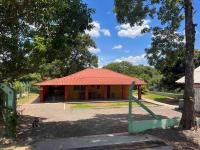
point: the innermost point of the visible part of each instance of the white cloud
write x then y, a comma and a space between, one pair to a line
106, 32
118, 46
101, 62
135, 60
97, 30
94, 50
94, 32
125, 30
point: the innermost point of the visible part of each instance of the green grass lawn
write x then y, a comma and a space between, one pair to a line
160, 96
155, 96
27, 99
104, 105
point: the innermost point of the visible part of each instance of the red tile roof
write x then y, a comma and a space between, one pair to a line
93, 76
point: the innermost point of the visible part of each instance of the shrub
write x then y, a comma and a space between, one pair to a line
19, 87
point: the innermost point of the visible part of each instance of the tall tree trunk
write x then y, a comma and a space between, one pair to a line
188, 114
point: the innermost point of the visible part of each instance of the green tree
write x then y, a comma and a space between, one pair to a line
170, 13
148, 74
34, 32
79, 58
166, 54
19, 87
38, 32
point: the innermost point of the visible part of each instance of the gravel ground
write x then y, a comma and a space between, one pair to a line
59, 121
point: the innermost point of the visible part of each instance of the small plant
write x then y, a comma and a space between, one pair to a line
144, 89
19, 87
9, 118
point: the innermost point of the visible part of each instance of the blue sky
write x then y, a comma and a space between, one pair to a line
117, 42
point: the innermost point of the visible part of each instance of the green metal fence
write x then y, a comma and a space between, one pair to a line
135, 126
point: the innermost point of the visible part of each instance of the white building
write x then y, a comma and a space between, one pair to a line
196, 87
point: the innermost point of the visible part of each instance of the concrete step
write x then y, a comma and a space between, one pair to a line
148, 145
123, 141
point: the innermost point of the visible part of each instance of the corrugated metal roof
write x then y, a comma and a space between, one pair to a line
196, 77
93, 76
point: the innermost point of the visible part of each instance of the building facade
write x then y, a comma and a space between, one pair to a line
89, 84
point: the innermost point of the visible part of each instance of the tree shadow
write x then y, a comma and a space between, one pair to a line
100, 124
170, 101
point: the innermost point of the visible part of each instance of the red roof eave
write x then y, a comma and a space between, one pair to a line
93, 77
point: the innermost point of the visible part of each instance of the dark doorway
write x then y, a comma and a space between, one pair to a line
55, 94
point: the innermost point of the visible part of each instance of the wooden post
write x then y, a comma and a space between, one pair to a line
86, 92
42, 93
139, 92
105, 90
66, 93
122, 87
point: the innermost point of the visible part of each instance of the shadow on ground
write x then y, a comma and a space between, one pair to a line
167, 101
100, 124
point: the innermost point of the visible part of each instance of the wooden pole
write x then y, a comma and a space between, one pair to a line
42, 92
86, 92
139, 92
66, 92
105, 92
122, 87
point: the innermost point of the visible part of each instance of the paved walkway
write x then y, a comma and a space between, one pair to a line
57, 120
63, 112
98, 141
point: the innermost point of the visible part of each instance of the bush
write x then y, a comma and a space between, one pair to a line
144, 89
19, 87
34, 89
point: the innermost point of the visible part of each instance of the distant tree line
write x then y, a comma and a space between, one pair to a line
161, 75
149, 74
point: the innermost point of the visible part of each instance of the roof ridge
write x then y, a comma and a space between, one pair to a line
122, 74
89, 75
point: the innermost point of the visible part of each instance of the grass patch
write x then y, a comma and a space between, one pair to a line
104, 105
163, 96
155, 97
27, 99
171, 95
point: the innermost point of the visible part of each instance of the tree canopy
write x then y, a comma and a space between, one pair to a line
170, 13
167, 54
34, 33
147, 73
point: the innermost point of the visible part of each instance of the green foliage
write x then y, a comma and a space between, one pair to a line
9, 118
10, 123
35, 33
170, 13
197, 58
144, 89
148, 74
134, 12
167, 51
78, 59
167, 55
19, 87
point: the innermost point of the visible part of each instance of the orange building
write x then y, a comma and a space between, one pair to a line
89, 84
